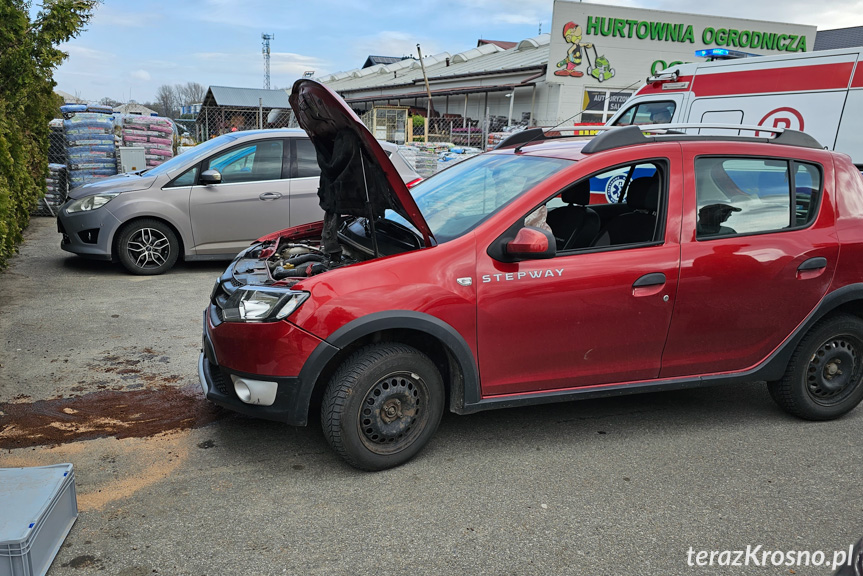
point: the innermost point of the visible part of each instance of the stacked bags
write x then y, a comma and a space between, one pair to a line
90, 149
55, 193
153, 133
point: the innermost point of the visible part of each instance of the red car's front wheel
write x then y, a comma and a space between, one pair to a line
382, 406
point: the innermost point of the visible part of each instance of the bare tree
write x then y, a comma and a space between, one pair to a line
190, 93
166, 101
109, 102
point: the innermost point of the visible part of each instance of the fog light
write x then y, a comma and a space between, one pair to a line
259, 392
242, 391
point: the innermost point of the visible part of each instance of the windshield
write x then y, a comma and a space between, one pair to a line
190, 156
460, 198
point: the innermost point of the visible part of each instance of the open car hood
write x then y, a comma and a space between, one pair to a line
356, 173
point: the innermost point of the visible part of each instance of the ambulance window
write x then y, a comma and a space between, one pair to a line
648, 113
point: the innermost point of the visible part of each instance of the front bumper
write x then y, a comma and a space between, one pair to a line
218, 389
87, 233
257, 351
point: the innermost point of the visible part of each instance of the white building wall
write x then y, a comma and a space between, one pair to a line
637, 43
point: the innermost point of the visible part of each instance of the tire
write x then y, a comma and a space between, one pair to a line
382, 406
824, 378
147, 247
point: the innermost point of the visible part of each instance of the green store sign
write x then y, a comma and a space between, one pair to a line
666, 32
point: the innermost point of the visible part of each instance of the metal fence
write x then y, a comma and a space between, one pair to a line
214, 121
90, 142
86, 145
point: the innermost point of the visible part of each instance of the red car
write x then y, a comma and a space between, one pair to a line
495, 283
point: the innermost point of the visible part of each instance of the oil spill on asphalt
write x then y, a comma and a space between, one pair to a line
138, 413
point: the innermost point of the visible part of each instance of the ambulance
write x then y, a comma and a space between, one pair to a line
820, 93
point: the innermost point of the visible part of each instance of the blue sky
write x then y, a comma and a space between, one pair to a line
131, 48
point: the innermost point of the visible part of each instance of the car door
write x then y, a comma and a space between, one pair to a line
758, 254
305, 173
253, 198
589, 316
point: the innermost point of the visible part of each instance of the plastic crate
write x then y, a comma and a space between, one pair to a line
39, 506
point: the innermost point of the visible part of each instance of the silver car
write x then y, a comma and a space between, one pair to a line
206, 204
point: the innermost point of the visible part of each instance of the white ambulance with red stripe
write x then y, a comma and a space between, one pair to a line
820, 93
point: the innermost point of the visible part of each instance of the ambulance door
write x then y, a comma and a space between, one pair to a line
849, 138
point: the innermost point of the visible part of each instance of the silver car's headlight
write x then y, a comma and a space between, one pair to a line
88, 203
262, 304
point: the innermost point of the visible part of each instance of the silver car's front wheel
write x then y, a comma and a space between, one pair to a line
147, 247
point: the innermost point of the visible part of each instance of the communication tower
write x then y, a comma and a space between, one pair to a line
266, 52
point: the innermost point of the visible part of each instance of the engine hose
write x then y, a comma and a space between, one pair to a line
304, 246
303, 271
303, 258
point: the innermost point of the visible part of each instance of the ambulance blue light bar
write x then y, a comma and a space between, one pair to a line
723, 54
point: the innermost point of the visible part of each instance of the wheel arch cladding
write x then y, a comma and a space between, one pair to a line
118, 231
845, 300
428, 334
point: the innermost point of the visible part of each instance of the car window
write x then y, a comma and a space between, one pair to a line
458, 199
187, 178
193, 155
648, 113
252, 162
622, 206
807, 185
753, 195
307, 159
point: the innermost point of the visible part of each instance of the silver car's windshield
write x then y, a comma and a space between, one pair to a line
190, 156
460, 198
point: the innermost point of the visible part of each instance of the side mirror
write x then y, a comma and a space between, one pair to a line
211, 177
530, 244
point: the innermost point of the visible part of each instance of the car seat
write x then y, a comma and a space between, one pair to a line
574, 225
639, 224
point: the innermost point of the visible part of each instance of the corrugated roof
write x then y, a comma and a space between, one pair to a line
246, 97
372, 60
69, 98
404, 76
839, 38
501, 43
135, 108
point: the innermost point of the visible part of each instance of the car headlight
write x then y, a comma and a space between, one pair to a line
87, 203
262, 304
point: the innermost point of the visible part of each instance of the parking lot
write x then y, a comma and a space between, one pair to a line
98, 368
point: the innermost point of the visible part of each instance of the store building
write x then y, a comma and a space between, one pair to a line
595, 56
599, 54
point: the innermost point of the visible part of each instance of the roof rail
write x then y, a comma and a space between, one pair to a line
522, 137
619, 136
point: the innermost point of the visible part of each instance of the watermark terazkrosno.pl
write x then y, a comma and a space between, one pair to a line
758, 556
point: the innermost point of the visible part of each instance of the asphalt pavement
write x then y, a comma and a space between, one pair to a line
98, 368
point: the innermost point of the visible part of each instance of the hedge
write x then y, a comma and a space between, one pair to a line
28, 58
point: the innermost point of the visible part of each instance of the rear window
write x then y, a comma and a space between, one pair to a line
754, 195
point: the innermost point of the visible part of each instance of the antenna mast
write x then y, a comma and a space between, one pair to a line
266, 51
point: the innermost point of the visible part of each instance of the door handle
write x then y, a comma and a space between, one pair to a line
270, 196
649, 280
813, 264
649, 284
812, 268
